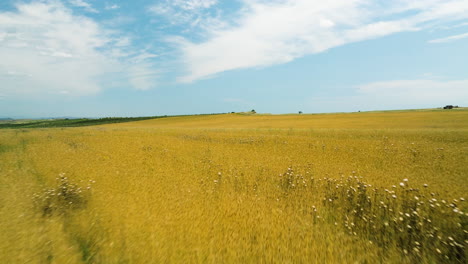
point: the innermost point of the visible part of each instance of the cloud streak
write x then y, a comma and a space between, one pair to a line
111, 6
417, 91
274, 32
192, 14
397, 94
83, 4
450, 38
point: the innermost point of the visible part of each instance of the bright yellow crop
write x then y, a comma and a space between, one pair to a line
238, 189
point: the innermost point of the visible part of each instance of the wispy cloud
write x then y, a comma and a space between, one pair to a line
410, 93
189, 12
450, 38
83, 4
417, 90
180, 7
111, 6
397, 94
194, 4
142, 76
48, 50
274, 32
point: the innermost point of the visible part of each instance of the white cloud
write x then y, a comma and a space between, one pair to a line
191, 12
176, 7
45, 49
111, 6
417, 90
450, 38
83, 4
464, 24
193, 4
123, 42
274, 32
397, 94
143, 57
142, 77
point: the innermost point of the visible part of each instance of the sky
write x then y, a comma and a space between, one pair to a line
101, 58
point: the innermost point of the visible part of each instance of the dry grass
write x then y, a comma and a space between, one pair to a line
237, 189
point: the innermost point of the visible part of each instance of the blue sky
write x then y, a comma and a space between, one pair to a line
97, 58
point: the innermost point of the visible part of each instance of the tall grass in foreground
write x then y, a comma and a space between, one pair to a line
417, 223
402, 220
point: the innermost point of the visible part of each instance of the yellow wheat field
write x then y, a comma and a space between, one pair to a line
239, 189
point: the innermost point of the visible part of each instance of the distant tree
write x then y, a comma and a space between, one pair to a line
300, 112
253, 111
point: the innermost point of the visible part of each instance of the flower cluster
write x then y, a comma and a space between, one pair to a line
411, 219
65, 196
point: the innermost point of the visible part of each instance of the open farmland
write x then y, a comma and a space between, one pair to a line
326, 188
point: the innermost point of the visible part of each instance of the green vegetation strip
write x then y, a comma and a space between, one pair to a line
79, 122
74, 122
